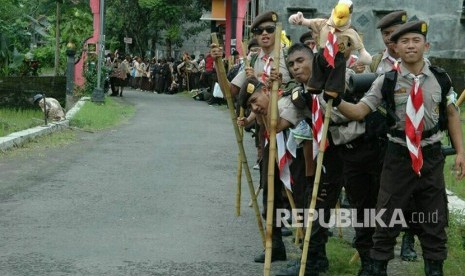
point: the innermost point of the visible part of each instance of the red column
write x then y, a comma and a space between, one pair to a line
79, 79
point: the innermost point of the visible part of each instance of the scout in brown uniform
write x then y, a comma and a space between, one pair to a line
299, 60
384, 62
258, 101
53, 108
263, 28
310, 40
413, 171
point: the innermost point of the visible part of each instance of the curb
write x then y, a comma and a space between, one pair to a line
16, 139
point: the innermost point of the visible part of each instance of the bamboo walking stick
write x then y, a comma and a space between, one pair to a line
239, 170
293, 207
223, 81
239, 162
461, 99
319, 165
257, 192
354, 258
272, 153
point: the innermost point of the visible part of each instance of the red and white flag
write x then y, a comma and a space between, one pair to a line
414, 124
331, 48
317, 125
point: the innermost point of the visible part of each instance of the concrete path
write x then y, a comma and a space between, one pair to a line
154, 196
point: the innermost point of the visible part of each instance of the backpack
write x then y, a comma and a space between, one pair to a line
378, 124
233, 72
376, 60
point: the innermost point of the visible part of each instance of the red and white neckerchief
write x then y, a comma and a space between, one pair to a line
414, 124
317, 125
284, 161
394, 63
351, 61
266, 68
331, 48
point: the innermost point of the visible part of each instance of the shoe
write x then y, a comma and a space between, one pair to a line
277, 254
365, 264
379, 268
407, 251
294, 269
256, 166
433, 268
286, 232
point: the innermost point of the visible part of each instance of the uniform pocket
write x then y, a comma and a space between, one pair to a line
435, 108
401, 103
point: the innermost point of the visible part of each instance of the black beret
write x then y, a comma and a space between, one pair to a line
269, 16
306, 36
391, 19
250, 86
252, 43
419, 27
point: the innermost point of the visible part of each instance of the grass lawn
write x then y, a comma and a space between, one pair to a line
457, 187
340, 252
93, 116
13, 120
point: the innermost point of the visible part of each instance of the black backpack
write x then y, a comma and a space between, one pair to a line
378, 123
233, 72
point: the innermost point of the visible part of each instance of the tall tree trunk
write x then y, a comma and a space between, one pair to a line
57, 38
168, 48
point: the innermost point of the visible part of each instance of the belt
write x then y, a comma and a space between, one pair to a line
426, 134
427, 150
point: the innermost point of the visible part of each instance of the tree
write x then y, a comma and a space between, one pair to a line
16, 31
162, 21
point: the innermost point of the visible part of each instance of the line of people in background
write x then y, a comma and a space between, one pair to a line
162, 75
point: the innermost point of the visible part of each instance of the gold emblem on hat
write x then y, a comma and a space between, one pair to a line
274, 17
404, 18
250, 88
423, 27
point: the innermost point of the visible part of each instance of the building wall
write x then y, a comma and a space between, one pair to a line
446, 21
446, 33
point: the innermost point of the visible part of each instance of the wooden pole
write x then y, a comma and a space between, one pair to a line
272, 153
354, 258
224, 84
292, 203
239, 163
239, 170
257, 192
319, 166
461, 98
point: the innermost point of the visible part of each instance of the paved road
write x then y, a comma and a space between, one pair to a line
154, 196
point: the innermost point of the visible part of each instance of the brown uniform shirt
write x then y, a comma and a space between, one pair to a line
431, 100
54, 110
259, 66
